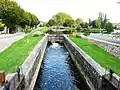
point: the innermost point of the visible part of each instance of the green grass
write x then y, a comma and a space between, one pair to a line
98, 54
16, 54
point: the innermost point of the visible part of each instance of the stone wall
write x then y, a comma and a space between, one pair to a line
29, 66
112, 48
91, 70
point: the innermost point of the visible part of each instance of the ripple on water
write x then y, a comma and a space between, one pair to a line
58, 72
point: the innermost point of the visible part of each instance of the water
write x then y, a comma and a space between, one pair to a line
58, 71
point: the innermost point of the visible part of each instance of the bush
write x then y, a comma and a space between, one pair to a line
71, 29
45, 30
27, 29
76, 34
37, 34
78, 28
86, 32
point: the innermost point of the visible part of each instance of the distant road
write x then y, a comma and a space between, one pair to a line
7, 40
105, 37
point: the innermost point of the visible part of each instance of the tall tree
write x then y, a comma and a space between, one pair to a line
51, 22
109, 27
68, 23
12, 15
103, 19
97, 23
90, 22
78, 21
60, 18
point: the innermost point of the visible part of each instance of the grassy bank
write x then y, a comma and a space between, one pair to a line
98, 54
16, 54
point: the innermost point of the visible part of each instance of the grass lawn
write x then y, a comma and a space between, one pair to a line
98, 54
16, 54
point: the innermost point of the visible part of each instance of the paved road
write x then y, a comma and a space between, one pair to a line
105, 37
7, 40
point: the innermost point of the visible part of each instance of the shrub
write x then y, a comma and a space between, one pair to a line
86, 32
45, 30
71, 29
78, 28
37, 34
75, 34
27, 29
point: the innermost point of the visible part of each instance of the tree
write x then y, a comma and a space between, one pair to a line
84, 25
93, 24
12, 15
1, 26
51, 22
78, 21
60, 18
103, 19
97, 23
34, 20
68, 23
90, 22
109, 27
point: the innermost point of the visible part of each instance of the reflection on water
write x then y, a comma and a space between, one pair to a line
57, 71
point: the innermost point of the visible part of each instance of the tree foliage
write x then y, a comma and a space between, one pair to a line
97, 23
103, 19
12, 14
78, 21
68, 23
61, 17
109, 27
51, 22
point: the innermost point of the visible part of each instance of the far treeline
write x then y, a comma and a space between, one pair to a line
11, 14
101, 24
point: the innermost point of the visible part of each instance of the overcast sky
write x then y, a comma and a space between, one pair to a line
44, 9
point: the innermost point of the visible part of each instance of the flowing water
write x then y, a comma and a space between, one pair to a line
58, 71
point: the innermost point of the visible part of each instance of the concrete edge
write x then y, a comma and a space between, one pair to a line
101, 70
91, 61
31, 87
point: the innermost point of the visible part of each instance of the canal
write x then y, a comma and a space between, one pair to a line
58, 72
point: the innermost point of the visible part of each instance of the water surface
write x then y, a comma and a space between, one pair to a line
58, 71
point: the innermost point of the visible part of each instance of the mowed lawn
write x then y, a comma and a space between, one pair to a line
98, 54
16, 54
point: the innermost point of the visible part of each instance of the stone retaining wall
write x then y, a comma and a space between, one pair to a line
91, 70
112, 48
29, 66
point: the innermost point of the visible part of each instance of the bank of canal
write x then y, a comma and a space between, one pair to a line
58, 71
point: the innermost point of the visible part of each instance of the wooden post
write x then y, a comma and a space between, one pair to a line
2, 78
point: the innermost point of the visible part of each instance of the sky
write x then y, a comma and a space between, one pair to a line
85, 9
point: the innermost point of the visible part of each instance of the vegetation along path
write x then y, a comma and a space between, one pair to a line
98, 54
16, 54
